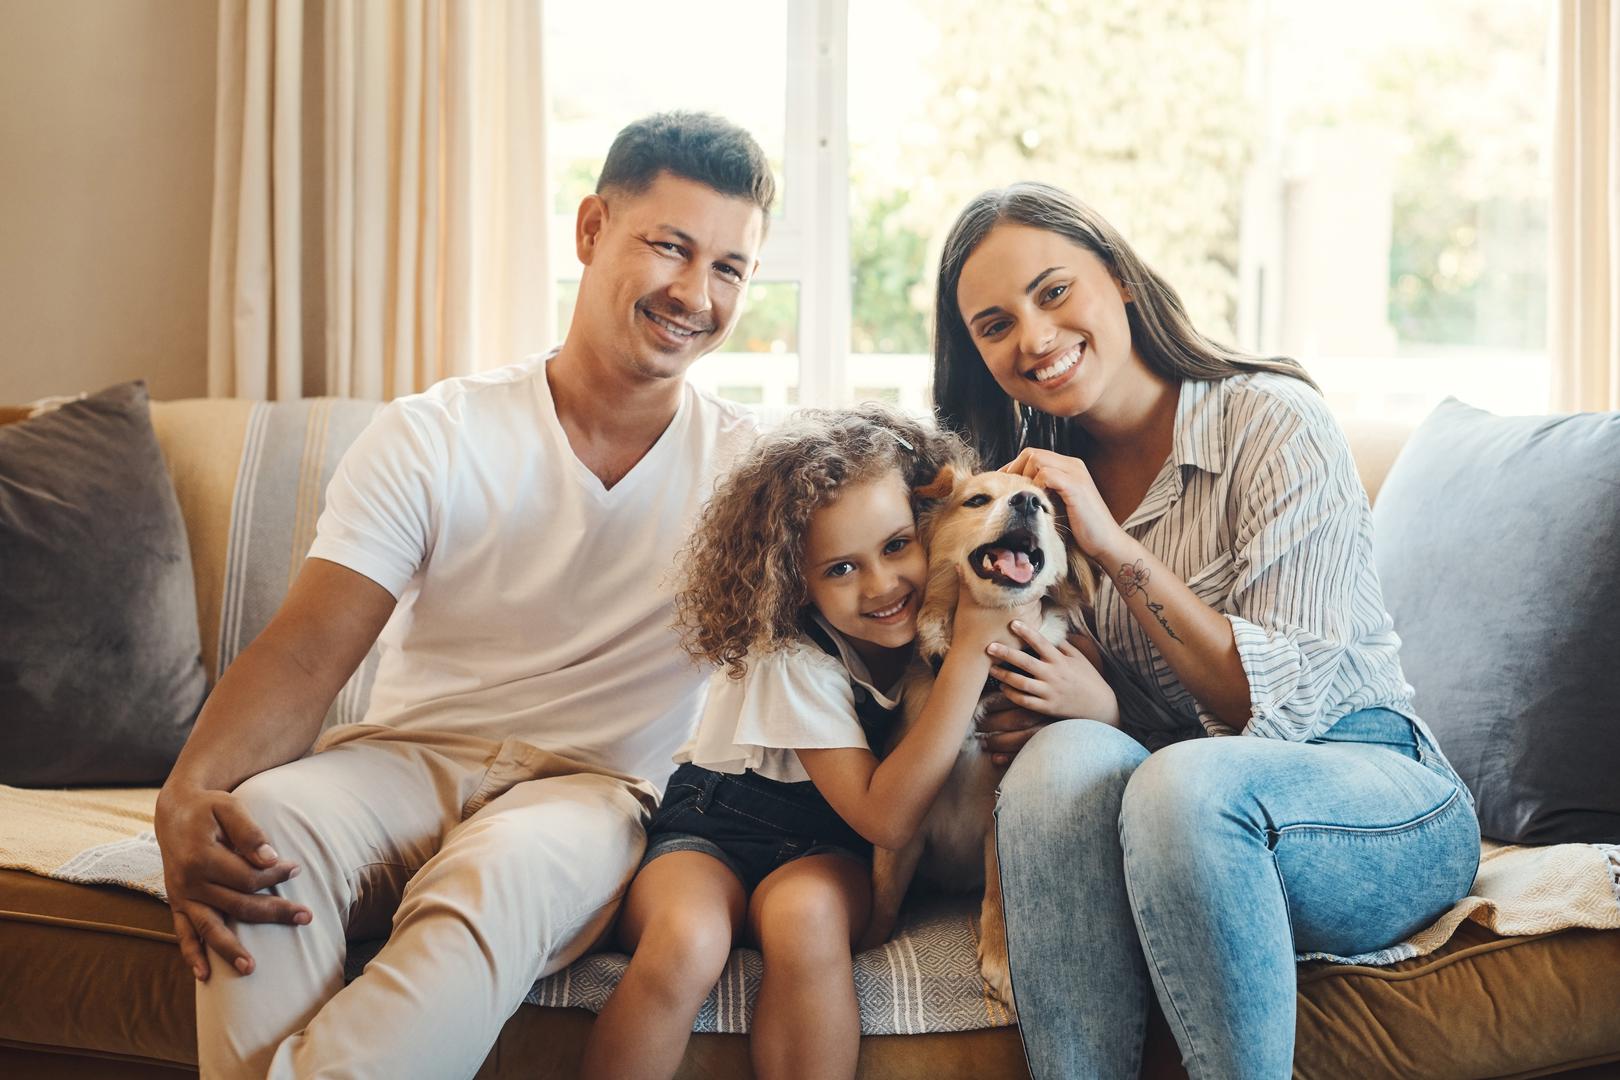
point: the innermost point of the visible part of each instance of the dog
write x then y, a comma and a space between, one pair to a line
998, 533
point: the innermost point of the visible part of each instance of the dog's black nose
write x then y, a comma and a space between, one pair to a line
1023, 502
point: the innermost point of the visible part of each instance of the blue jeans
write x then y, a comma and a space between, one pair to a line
1201, 870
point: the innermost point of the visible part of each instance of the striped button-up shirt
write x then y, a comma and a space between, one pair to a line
1260, 511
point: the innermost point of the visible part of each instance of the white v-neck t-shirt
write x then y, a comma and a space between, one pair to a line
533, 602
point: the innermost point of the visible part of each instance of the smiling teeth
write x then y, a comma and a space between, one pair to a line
671, 327
886, 612
1058, 367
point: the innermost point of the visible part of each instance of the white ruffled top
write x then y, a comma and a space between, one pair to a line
795, 698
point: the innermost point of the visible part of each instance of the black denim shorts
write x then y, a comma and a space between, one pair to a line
750, 823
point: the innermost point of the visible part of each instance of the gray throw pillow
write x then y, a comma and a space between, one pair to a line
100, 668
1498, 542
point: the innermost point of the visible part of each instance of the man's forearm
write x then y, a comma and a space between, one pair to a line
265, 711
268, 706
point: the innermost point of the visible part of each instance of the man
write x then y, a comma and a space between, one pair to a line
509, 536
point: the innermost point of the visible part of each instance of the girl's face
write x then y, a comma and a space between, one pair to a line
864, 568
1047, 316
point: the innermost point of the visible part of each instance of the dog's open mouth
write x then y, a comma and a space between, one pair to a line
1011, 561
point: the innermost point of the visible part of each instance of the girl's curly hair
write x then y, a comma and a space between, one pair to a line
741, 575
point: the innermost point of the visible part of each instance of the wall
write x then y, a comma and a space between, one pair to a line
106, 187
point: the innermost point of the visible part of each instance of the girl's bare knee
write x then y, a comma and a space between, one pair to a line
805, 924
684, 952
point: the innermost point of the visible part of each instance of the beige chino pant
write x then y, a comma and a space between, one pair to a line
495, 863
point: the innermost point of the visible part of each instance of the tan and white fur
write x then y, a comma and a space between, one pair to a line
979, 516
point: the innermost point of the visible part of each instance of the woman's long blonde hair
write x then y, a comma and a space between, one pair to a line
967, 398
741, 575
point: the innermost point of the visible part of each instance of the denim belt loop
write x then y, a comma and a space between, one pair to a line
711, 782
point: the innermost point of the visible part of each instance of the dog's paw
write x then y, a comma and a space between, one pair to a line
993, 965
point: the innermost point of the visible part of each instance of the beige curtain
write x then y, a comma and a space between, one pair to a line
380, 204
1584, 308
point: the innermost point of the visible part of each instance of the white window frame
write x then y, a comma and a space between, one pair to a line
810, 244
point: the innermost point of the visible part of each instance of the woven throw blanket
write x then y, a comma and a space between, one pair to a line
91, 836
925, 980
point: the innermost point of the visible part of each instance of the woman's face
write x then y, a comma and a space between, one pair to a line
1047, 317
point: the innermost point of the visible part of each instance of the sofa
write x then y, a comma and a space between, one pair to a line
92, 985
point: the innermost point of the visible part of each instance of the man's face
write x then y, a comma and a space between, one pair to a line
665, 273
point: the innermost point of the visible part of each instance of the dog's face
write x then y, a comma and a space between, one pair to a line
1001, 530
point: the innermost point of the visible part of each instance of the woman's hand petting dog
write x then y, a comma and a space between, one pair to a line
1089, 518
1062, 680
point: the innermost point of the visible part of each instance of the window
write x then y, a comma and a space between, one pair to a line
1361, 186
1401, 246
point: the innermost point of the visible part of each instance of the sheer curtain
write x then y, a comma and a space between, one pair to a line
380, 205
1584, 305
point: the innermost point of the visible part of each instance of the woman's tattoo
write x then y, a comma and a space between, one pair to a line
1133, 579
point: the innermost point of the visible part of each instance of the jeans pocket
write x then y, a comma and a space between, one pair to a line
1451, 841
1352, 891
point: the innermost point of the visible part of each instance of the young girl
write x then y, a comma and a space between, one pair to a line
803, 580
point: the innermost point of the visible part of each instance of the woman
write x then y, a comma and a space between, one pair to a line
1237, 598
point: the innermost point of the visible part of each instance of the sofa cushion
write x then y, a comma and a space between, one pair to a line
1498, 542
251, 478
1375, 443
203, 440
925, 980
100, 672
1481, 1006
92, 969
105, 976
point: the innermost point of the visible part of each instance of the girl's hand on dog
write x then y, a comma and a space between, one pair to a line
1067, 478
1060, 680
977, 627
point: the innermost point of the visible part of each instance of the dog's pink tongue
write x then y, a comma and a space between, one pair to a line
1014, 565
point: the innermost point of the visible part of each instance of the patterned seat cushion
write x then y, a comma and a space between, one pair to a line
925, 980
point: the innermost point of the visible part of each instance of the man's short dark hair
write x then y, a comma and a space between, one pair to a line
695, 145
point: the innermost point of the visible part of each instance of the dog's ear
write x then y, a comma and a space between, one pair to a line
941, 485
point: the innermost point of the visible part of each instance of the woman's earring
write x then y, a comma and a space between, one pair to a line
1023, 425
